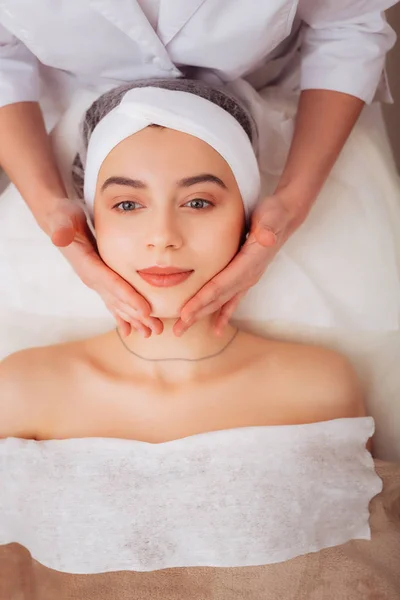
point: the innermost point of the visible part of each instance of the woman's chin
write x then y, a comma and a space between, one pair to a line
167, 304
165, 311
164, 316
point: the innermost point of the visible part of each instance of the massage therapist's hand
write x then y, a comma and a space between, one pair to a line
272, 223
68, 230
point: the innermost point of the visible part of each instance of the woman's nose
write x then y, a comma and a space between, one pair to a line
164, 233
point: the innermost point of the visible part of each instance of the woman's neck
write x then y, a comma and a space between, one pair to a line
197, 349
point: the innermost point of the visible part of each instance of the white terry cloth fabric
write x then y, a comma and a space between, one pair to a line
236, 497
182, 111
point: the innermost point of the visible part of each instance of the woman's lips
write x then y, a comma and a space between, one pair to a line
164, 277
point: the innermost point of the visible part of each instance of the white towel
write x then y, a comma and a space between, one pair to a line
236, 497
182, 111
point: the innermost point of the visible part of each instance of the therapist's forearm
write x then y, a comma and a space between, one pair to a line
27, 158
324, 121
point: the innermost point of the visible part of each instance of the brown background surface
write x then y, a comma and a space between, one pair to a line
392, 112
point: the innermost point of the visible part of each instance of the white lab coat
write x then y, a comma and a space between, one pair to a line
334, 44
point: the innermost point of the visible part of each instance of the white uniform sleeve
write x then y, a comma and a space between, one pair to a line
19, 76
344, 47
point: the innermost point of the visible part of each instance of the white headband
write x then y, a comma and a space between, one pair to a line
183, 112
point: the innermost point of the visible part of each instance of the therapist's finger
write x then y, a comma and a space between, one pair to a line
109, 285
66, 223
125, 293
128, 321
62, 231
235, 278
241, 274
207, 298
110, 282
125, 326
152, 323
270, 221
181, 326
226, 313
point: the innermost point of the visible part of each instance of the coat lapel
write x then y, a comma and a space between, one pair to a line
173, 16
129, 17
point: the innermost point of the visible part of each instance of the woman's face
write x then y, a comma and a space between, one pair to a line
165, 199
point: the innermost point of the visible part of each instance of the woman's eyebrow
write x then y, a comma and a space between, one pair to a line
135, 183
203, 178
186, 182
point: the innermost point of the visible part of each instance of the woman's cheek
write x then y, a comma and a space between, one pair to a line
226, 242
115, 251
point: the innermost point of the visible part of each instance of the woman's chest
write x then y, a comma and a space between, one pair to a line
146, 414
113, 38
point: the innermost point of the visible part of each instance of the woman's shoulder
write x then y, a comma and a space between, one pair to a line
29, 380
34, 361
317, 382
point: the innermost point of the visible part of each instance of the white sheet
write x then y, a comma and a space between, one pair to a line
239, 497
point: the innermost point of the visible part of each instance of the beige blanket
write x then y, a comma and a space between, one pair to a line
356, 570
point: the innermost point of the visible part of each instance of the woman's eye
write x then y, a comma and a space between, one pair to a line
198, 203
127, 206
